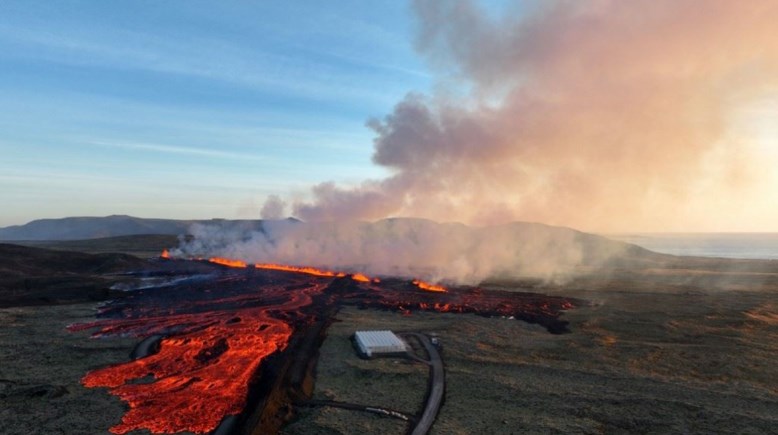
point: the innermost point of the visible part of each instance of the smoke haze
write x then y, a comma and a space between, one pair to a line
599, 115
410, 247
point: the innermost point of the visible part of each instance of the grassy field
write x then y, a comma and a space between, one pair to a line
41, 364
634, 363
143, 246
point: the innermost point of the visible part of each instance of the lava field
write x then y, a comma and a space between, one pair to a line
240, 345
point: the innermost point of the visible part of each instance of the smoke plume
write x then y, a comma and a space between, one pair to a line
601, 115
413, 248
273, 208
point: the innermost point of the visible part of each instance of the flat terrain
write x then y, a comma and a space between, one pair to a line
682, 347
635, 362
41, 364
142, 246
658, 351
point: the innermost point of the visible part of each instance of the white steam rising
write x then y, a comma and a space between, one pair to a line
418, 248
603, 115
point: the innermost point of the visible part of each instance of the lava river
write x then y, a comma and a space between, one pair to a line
218, 332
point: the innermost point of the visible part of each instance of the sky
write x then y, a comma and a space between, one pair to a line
188, 109
602, 115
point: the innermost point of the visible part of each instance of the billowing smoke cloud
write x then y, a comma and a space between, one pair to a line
273, 208
600, 115
411, 248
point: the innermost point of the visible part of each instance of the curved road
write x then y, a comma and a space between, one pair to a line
437, 386
435, 390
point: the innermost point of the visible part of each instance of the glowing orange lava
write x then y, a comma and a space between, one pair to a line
315, 272
360, 277
219, 333
202, 371
300, 269
228, 262
308, 270
429, 287
216, 363
164, 254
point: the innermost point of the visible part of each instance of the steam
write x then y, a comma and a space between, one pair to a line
273, 208
409, 248
600, 115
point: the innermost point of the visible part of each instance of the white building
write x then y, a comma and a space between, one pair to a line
378, 343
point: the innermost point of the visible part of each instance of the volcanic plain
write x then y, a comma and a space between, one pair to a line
657, 345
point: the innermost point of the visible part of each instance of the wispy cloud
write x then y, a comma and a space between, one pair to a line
175, 149
209, 58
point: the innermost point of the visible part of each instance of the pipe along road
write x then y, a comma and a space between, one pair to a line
436, 386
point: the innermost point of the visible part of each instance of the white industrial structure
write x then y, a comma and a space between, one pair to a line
378, 343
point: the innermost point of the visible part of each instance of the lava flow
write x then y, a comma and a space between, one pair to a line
219, 333
228, 262
427, 286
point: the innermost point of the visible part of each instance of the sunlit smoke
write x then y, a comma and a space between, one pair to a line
273, 208
412, 248
599, 115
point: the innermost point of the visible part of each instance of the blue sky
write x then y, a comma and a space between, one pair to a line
189, 109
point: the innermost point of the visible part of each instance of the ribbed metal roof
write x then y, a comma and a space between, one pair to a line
380, 340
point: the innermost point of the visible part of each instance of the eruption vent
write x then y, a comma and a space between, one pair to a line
411, 248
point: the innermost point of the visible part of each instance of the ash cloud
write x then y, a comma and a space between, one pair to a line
600, 115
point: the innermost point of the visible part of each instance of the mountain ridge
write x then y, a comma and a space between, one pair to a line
93, 227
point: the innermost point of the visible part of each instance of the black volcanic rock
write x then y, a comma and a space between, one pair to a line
31, 276
16, 260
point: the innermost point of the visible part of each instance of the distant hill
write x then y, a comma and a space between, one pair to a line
80, 228
30, 276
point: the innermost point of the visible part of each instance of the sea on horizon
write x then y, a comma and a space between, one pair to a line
724, 245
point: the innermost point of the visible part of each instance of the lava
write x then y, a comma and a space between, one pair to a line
165, 254
228, 262
299, 269
429, 287
360, 277
212, 351
199, 375
220, 332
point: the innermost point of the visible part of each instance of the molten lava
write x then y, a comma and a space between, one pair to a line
219, 333
360, 277
198, 376
165, 254
208, 359
429, 287
299, 269
228, 262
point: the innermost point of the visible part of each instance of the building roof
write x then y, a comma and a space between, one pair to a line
380, 339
